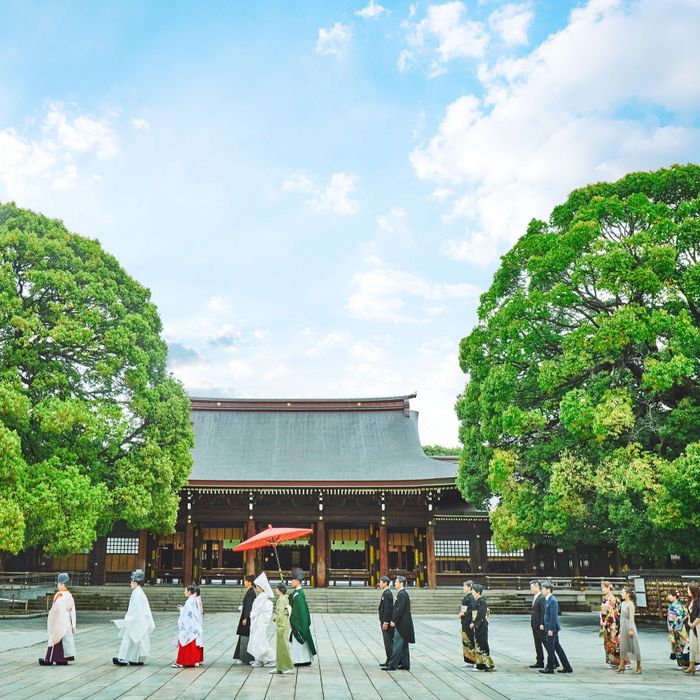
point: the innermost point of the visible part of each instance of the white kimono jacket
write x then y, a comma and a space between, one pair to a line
61, 622
263, 633
200, 613
189, 623
135, 629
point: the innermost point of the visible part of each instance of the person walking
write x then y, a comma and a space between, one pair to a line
692, 623
480, 625
189, 631
241, 654
386, 610
283, 660
261, 644
137, 626
303, 647
629, 639
402, 624
610, 624
60, 626
537, 623
675, 624
552, 629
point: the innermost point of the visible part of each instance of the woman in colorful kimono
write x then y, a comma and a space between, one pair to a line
675, 623
610, 624
189, 631
629, 639
61, 626
282, 612
261, 644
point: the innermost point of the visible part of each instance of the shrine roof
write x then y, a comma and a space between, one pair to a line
311, 441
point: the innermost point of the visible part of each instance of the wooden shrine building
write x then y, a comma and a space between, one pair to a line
353, 470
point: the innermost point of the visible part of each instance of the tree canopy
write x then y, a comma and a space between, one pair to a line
581, 414
441, 451
92, 427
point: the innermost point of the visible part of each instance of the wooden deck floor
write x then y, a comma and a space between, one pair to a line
347, 666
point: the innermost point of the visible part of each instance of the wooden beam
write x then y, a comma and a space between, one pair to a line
250, 554
321, 549
187, 557
383, 551
430, 555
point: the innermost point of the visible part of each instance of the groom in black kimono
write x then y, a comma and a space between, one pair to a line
241, 654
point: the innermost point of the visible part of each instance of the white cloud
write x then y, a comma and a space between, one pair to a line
219, 303
384, 295
32, 164
511, 22
547, 123
364, 351
334, 196
393, 222
140, 124
371, 11
332, 340
445, 30
239, 369
334, 41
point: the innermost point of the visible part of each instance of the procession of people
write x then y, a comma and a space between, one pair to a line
275, 630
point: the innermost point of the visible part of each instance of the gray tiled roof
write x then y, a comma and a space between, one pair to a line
311, 446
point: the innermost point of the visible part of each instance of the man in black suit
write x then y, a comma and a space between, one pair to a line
402, 623
241, 653
386, 610
537, 623
551, 630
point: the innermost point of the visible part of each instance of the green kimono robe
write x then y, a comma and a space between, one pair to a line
284, 655
300, 619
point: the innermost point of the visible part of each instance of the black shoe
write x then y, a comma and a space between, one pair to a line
536, 666
117, 662
69, 658
384, 665
565, 670
43, 662
61, 663
546, 670
388, 668
489, 670
135, 663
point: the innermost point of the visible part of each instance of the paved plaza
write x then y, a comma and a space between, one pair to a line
347, 666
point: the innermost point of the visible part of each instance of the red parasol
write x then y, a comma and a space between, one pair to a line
271, 537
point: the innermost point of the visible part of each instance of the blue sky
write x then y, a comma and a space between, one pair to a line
317, 192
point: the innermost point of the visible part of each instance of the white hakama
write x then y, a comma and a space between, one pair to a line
301, 654
135, 629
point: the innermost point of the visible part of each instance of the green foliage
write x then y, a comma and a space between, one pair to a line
440, 451
582, 412
92, 427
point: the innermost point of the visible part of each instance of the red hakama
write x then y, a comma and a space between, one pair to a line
189, 655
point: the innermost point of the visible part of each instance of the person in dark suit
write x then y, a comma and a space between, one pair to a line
537, 623
386, 610
402, 623
465, 614
552, 629
241, 654
480, 625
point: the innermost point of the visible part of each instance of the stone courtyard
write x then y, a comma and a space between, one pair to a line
347, 665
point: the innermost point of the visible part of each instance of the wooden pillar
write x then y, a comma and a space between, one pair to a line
197, 555
152, 558
97, 558
430, 555
383, 551
188, 554
250, 554
142, 557
321, 548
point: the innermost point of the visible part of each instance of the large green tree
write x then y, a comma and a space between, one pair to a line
581, 415
92, 427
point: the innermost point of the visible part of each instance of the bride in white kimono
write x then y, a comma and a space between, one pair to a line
136, 627
262, 645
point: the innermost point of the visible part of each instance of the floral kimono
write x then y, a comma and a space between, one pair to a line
677, 633
610, 628
189, 627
